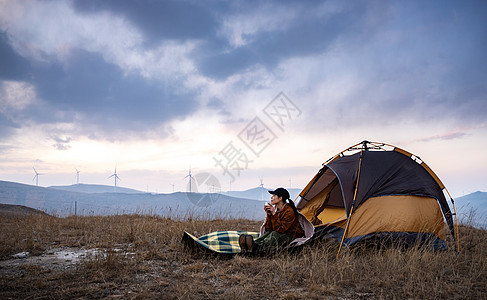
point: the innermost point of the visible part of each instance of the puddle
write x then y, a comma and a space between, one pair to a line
70, 255
53, 259
21, 255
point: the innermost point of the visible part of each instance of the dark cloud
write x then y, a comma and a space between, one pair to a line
102, 93
219, 106
61, 142
160, 20
428, 64
7, 126
12, 66
308, 34
99, 94
215, 103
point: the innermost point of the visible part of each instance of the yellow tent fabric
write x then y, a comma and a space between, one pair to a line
401, 213
397, 214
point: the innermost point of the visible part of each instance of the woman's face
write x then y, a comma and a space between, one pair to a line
275, 199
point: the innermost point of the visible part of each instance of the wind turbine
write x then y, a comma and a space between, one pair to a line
36, 177
115, 176
261, 188
172, 184
191, 177
77, 176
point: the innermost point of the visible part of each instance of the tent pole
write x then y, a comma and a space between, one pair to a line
456, 220
345, 232
333, 157
353, 202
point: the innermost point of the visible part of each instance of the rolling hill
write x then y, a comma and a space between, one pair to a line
259, 193
94, 188
18, 210
472, 208
179, 205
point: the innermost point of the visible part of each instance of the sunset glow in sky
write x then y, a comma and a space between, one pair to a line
154, 88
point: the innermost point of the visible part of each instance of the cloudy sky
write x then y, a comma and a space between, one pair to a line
241, 90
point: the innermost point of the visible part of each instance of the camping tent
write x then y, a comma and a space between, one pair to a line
375, 190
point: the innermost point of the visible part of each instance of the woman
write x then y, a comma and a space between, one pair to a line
283, 225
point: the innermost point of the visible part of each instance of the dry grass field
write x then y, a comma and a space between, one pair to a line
142, 257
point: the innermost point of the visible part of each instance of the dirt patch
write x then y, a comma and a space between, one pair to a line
57, 259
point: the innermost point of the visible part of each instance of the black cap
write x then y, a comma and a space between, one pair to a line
281, 192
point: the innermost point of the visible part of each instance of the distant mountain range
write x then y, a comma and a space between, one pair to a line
60, 202
94, 188
259, 193
472, 209
89, 199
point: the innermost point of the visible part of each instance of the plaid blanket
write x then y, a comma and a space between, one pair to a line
218, 241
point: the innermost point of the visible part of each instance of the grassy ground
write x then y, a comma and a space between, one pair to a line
141, 257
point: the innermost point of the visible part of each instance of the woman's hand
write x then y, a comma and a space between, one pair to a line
269, 209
